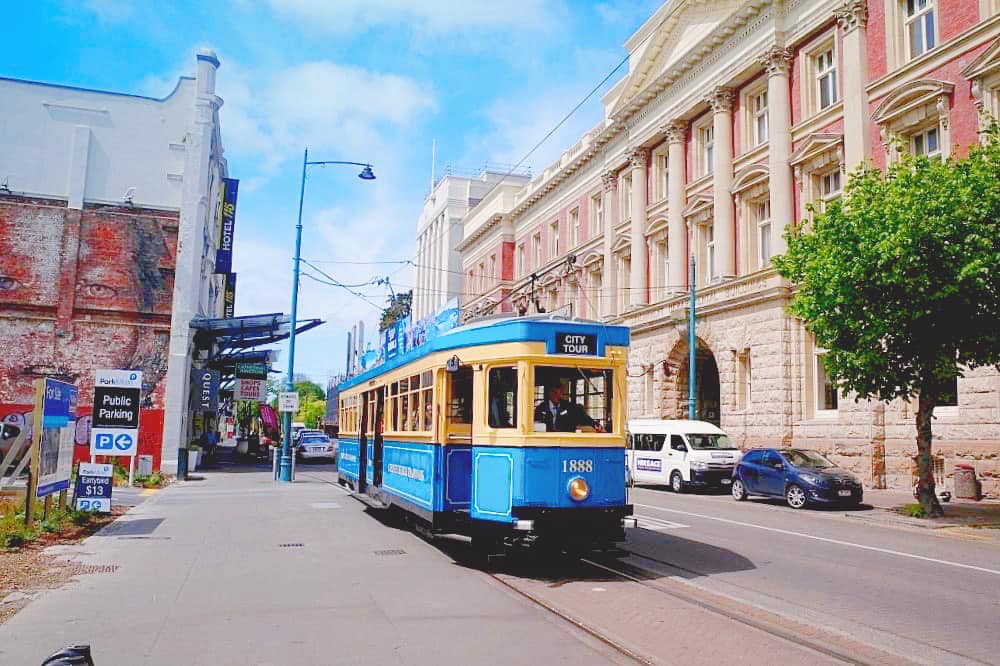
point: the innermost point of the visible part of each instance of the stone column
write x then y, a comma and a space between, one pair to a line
677, 201
721, 101
609, 274
777, 61
853, 19
638, 294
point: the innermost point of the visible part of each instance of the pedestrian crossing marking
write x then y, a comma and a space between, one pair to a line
658, 524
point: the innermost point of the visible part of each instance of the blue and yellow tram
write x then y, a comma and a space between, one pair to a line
507, 429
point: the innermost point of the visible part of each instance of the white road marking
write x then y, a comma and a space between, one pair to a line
651, 523
851, 544
325, 505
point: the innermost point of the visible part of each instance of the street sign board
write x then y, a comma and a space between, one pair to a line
205, 391
249, 389
115, 420
288, 401
55, 439
93, 487
250, 370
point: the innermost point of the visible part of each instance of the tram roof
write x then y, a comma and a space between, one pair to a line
497, 331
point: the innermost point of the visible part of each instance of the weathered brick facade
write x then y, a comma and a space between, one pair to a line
81, 291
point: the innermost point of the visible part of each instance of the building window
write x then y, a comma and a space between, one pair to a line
536, 250
926, 144
624, 280
662, 162
920, 29
710, 251
627, 197
574, 227
482, 277
826, 388
707, 152
744, 380
762, 214
554, 239
758, 111
520, 260
595, 287
596, 214
826, 78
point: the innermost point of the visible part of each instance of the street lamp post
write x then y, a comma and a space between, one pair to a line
285, 469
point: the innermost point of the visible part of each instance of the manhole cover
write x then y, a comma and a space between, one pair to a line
390, 551
291, 545
83, 569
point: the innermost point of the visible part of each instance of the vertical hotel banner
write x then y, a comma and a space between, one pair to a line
227, 222
229, 296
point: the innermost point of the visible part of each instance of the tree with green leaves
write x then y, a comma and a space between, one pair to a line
399, 309
900, 282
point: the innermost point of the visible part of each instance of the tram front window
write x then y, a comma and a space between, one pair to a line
503, 398
572, 399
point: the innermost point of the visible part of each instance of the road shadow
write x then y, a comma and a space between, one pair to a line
686, 558
820, 508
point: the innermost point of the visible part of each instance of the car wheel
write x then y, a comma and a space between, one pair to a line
795, 496
677, 482
739, 490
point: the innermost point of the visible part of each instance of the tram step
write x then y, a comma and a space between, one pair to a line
370, 501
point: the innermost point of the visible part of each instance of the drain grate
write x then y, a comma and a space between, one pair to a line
291, 545
390, 551
83, 569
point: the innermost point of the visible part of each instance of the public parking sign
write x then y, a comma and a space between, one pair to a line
115, 420
93, 487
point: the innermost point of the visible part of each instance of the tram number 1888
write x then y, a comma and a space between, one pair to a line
578, 465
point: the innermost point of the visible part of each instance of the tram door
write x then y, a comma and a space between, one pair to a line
363, 443
379, 397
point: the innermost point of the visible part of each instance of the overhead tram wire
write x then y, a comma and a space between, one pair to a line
545, 138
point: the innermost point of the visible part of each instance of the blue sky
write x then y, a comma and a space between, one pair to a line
361, 80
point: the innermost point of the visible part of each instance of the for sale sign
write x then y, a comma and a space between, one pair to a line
93, 487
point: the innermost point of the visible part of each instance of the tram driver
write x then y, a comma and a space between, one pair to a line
560, 415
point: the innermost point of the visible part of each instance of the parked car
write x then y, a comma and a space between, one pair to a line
683, 454
801, 476
312, 445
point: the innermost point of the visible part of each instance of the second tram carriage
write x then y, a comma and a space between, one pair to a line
454, 432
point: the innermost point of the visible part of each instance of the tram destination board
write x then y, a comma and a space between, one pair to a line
577, 344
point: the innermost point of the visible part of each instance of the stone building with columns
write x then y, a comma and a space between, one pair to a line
734, 117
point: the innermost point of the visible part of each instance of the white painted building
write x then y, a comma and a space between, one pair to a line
89, 165
438, 274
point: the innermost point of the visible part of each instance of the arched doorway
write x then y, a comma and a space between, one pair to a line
707, 390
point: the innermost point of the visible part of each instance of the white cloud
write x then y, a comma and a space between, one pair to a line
433, 17
110, 11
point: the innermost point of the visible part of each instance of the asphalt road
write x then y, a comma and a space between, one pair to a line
928, 597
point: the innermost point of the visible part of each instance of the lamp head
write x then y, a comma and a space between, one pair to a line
366, 173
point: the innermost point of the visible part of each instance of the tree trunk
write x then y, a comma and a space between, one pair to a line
925, 467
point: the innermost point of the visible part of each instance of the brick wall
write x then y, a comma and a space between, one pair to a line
81, 291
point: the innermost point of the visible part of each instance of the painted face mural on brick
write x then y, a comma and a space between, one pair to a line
125, 265
29, 255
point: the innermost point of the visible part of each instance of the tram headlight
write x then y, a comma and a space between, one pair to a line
578, 489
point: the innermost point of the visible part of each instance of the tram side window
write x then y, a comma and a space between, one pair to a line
585, 399
460, 396
503, 398
410, 403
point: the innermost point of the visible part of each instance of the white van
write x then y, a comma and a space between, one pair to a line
681, 454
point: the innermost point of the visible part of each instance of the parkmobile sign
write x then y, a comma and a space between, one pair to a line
115, 420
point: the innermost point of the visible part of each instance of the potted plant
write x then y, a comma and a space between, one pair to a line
194, 452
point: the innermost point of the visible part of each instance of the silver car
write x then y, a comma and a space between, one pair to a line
313, 445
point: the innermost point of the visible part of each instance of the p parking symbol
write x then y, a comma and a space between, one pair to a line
103, 441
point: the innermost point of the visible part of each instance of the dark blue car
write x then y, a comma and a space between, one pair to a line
801, 476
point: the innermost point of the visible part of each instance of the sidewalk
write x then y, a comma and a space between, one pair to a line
967, 517
237, 570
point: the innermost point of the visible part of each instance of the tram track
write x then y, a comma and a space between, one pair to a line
796, 635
